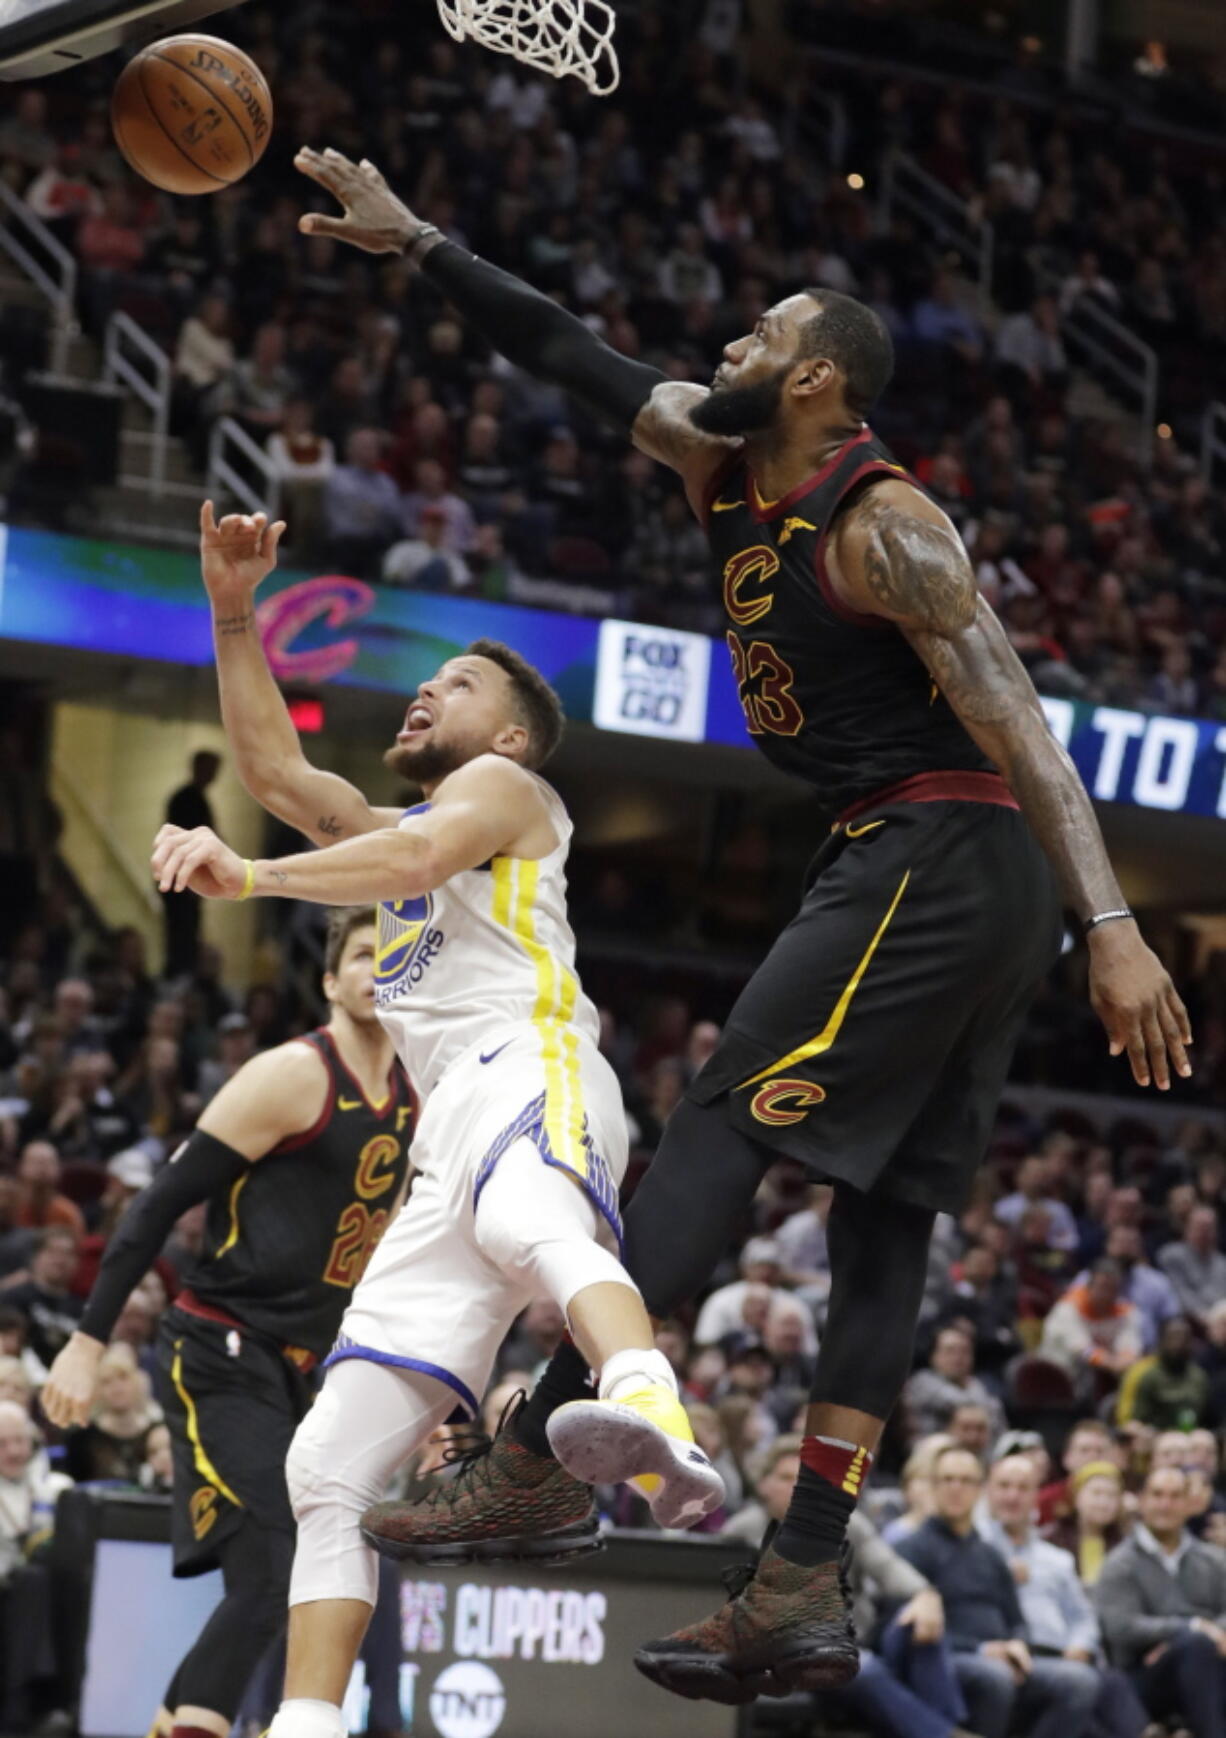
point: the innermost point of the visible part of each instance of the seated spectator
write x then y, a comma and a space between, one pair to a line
1213, 1362
1034, 1190
1094, 1524
1061, 1625
917, 1492
802, 1236
62, 193
157, 1470
15, 1383
430, 491
709, 1435
1029, 349
941, 318
774, 1477
984, 1300
1162, 1605
204, 356
426, 562
14, 1344
112, 1444
724, 1311
687, 274
1092, 1329
970, 1428
362, 506
235, 1045
931, 1394
1174, 688
28, 1494
17, 1242
46, 1298
1173, 1391
998, 1675
298, 454
25, 139
39, 1203
1143, 1285
256, 390
110, 247
1087, 280
1195, 1265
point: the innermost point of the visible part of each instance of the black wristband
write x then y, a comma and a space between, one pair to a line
202, 1167
1106, 917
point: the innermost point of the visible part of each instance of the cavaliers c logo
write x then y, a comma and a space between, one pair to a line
203, 1510
780, 1102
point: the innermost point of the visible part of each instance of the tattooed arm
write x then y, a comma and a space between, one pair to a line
234, 557
898, 556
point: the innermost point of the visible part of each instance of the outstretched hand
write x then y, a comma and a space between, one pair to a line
375, 220
237, 554
1136, 1001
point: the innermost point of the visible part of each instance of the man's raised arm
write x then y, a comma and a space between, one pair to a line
529, 329
235, 556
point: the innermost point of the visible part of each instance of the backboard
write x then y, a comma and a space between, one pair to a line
38, 37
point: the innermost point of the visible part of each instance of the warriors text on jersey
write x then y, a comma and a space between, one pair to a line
284, 1250
838, 698
485, 955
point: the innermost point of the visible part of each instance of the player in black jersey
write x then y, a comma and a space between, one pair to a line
873, 1041
302, 1158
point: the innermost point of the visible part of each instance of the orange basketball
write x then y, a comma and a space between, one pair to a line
192, 114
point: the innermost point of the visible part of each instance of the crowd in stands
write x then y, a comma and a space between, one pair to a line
669, 217
1044, 1535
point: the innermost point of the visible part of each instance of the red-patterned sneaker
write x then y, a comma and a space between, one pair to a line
785, 1628
504, 1505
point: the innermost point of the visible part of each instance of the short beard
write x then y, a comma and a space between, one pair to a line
741, 410
425, 765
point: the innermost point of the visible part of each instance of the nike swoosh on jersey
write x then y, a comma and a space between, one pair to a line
348, 1104
725, 506
495, 1053
859, 832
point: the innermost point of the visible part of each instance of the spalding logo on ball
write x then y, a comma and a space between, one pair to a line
192, 114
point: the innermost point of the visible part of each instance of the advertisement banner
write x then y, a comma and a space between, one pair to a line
619, 675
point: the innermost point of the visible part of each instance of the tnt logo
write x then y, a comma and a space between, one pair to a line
468, 1701
652, 682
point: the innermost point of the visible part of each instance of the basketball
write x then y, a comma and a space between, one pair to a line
192, 114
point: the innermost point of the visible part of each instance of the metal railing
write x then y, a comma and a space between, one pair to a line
55, 275
1111, 349
952, 221
1213, 438
125, 884
819, 118
125, 341
228, 440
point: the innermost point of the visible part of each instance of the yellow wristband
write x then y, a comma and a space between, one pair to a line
249, 882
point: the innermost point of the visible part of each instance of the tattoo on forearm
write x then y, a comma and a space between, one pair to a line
227, 625
279, 876
330, 825
915, 570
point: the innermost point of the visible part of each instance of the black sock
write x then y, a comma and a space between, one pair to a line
815, 1526
566, 1377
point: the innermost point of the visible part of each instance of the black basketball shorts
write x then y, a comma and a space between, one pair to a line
873, 1042
232, 1403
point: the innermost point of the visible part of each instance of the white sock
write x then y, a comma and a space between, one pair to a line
625, 1371
303, 1717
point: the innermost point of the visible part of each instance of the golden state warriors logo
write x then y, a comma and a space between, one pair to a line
203, 1510
407, 946
781, 1102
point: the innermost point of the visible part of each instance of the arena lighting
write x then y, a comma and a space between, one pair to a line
1164, 431
856, 183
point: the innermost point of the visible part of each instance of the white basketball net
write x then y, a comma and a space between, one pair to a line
553, 36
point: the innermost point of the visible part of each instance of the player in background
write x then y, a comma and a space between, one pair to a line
874, 1040
302, 1158
521, 1142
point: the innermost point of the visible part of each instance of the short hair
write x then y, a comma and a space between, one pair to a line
538, 706
943, 1454
856, 339
55, 1234
780, 1449
343, 921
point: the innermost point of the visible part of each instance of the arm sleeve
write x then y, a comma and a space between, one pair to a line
537, 335
202, 1167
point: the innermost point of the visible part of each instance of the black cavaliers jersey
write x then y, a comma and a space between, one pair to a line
837, 698
285, 1248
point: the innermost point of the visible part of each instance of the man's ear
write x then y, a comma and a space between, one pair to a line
511, 742
815, 375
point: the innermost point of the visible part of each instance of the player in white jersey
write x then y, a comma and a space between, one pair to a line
521, 1141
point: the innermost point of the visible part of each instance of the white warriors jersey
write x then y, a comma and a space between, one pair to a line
490, 949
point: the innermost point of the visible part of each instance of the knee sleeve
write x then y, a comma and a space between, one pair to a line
535, 1223
366, 1421
878, 1268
